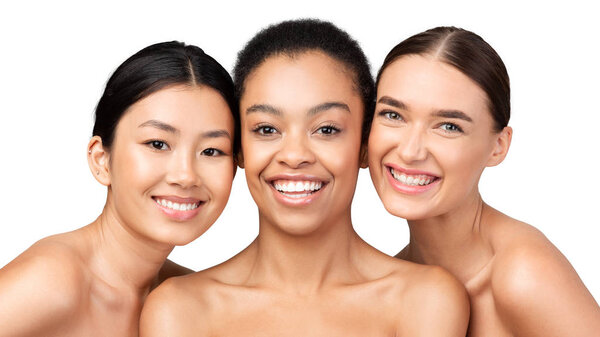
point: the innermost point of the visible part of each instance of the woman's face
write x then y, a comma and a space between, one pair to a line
171, 163
301, 136
431, 138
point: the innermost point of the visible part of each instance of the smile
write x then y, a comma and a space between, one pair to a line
412, 180
297, 189
177, 206
409, 181
178, 209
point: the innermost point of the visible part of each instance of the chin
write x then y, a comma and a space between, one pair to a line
408, 211
299, 225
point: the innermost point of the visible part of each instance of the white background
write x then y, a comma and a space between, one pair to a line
56, 57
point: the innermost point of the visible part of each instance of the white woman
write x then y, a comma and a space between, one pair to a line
163, 144
306, 97
441, 118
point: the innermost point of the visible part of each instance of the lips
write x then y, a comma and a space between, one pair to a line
296, 190
178, 208
408, 181
412, 179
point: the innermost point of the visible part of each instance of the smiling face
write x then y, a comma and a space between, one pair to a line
171, 164
431, 138
301, 136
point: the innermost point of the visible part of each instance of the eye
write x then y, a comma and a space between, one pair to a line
327, 130
158, 145
392, 115
264, 130
451, 127
212, 152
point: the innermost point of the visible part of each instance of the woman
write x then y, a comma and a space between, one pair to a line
306, 102
443, 105
163, 144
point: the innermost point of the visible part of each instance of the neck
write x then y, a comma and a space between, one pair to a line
455, 240
121, 258
304, 264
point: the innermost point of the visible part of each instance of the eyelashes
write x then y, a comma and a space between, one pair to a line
268, 130
395, 117
158, 145
162, 146
451, 128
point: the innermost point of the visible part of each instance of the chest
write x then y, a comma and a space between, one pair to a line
304, 317
485, 320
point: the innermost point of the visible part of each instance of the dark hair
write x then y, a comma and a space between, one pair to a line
298, 36
152, 69
470, 54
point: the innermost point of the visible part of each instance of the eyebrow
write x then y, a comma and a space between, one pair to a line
392, 102
445, 113
168, 128
453, 114
312, 111
264, 108
216, 134
326, 106
159, 125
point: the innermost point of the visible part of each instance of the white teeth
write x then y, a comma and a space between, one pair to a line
297, 186
176, 206
412, 180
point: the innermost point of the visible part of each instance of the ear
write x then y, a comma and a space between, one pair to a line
501, 147
239, 159
98, 160
364, 158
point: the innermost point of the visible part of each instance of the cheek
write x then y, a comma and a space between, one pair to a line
461, 162
257, 156
218, 179
381, 141
134, 169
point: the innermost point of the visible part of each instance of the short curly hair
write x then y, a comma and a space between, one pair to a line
298, 36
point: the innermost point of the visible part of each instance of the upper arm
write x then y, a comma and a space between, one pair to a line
538, 293
38, 294
438, 305
170, 311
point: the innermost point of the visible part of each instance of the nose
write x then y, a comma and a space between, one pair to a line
295, 151
411, 146
181, 170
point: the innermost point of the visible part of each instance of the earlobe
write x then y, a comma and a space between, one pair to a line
501, 147
364, 156
98, 160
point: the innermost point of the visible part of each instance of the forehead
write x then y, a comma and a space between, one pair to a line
428, 83
188, 108
312, 75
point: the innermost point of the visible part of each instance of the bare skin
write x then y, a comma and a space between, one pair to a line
518, 283
82, 283
307, 273
93, 281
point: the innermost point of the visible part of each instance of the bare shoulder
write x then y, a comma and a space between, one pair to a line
181, 306
532, 281
43, 286
431, 294
424, 300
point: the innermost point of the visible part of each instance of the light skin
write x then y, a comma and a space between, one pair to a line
307, 273
174, 145
432, 124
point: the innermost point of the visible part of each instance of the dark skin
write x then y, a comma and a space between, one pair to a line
307, 273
